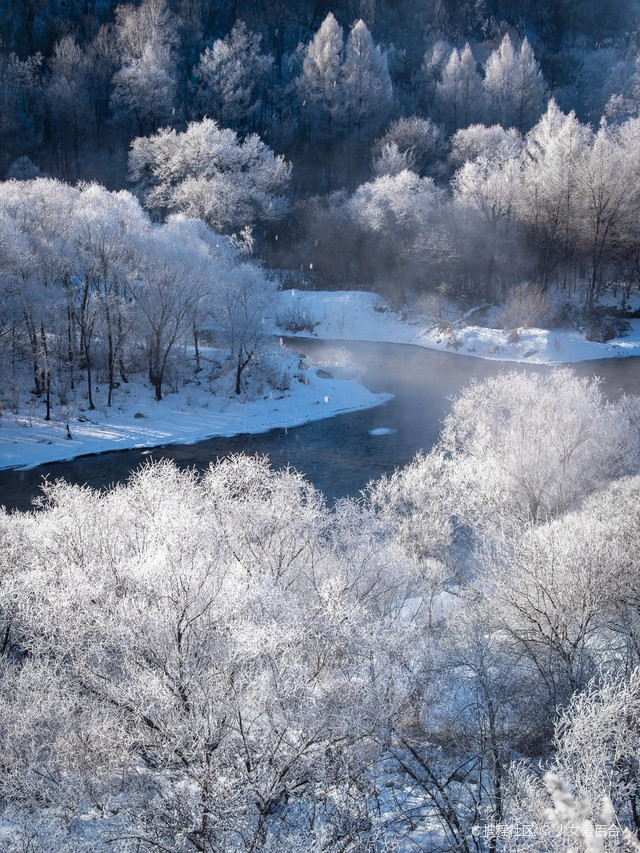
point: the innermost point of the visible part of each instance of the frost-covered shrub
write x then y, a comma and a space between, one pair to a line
296, 319
526, 305
201, 661
525, 447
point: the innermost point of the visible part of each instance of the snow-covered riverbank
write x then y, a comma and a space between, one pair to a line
194, 414
362, 316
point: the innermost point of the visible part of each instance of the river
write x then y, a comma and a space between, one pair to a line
338, 455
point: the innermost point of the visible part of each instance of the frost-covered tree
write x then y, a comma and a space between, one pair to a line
106, 227
560, 595
589, 793
173, 268
145, 85
243, 308
401, 216
40, 212
319, 85
459, 94
477, 140
433, 63
367, 85
552, 192
209, 174
514, 85
611, 199
391, 160
625, 102
138, 27
420, 142
525, 447
217, 661
68, 101
531, 89
22, 103
229, 76
486, 191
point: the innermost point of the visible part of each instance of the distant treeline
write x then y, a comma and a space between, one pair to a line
462, 149
319, 82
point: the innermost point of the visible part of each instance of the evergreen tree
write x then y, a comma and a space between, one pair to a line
514, 85
230, 74
459, 92
319, 85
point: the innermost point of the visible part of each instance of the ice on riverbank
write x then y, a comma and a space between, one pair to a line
363, 316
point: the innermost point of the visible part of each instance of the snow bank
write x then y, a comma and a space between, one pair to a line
193, 414
362, 316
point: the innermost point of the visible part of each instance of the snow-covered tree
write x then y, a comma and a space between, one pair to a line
208, 173
459, 93
514, 85
230, 74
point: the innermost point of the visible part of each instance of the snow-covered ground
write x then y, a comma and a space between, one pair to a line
362, 316
194, 414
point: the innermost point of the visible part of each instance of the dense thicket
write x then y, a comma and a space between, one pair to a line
222, 663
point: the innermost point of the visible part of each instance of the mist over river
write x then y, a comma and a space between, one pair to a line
338, 455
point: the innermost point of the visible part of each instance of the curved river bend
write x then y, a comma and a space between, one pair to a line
338, 455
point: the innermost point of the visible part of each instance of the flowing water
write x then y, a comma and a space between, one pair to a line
339, 455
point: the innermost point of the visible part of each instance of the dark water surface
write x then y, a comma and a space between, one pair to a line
337, 454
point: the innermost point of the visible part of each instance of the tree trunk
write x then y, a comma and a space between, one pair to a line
242, 363
155, 378
196, 344
46, 372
